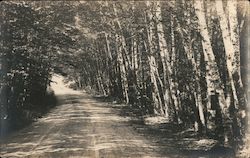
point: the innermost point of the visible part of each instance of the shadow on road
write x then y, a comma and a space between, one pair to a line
170, 139
175, 141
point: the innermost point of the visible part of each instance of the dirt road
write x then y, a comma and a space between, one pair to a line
83, 126
80, 126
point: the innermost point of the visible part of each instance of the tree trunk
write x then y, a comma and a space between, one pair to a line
230, 35
214, 83
198, 98
123, 59
229, 48
157, 101
236, 63
122, 68
166, 64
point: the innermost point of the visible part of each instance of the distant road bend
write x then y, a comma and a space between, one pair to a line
80, 127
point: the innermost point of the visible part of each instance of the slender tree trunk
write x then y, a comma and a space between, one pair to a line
123, 59
157, 101
155, 94
196, 67
108, 47
236, 63
229, 48
200, 122
109, 66
214, 82
122, 71
176, 92
122, 38
166, 63
154, 86
230, 34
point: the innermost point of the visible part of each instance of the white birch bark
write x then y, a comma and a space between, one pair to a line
169, 86
108, 47
177, 101
234, 34
151, 58
122, 38
123, 64
235, 38
122, 71
213, 78
212, 68
230, 47
190, 56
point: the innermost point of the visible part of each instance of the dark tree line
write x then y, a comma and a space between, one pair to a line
28, 43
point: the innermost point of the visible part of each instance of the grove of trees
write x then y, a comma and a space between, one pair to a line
184, 60
27, 45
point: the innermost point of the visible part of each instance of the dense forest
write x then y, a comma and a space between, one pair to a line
184, 60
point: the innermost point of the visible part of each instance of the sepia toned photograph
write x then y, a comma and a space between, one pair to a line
124, 79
